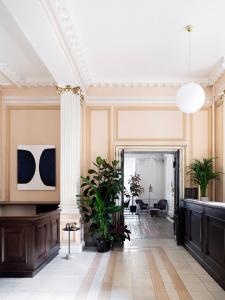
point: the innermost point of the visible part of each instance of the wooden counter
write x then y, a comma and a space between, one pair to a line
28, 243
203, 235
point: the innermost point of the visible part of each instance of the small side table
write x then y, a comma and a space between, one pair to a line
69, 229
154, 212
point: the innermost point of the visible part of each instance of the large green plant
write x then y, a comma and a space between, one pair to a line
201, 172
107, 177
100, 190
135, 186
99, 211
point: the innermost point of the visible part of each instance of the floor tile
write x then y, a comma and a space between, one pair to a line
126, 274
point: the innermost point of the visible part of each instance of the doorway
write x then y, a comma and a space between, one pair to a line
161, 173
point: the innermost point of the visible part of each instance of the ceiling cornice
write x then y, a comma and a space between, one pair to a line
218, 71
39, 83
68, 36
4, 82
17, 79
166, 84
11, 74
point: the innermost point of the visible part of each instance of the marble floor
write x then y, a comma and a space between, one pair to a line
147, 268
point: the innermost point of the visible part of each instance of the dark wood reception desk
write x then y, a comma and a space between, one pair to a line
203, 235
29, 240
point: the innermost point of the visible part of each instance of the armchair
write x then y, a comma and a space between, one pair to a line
162, 205
142, 207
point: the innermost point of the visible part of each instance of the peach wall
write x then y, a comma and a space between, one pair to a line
149, 123
137, 91
219, 87
32, 125
29, 92
219, 148
106, 126
28, 124
201, 134
1, 167
100, 118
146, 125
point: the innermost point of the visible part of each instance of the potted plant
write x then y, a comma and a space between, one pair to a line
121, 234
100, 191
201, 172
135, 189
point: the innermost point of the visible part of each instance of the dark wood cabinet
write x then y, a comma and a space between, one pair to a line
203, 235
28, 243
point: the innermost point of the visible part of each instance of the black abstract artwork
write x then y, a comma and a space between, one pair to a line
36, 167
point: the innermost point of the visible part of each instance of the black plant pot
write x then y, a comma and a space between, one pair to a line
103, 245
133, 208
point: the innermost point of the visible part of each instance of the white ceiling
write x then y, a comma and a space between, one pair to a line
128, 41
144, 40
18, 60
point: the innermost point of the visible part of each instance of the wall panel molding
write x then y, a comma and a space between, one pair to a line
149, 109
91, 109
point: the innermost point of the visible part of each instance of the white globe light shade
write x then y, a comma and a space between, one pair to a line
190, 97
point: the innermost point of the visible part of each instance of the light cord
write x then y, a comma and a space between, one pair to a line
189, 54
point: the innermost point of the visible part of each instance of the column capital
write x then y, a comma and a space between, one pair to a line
70, 89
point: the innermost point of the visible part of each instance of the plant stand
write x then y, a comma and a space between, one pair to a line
68, 228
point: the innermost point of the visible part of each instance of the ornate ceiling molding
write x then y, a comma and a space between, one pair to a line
11, 74
149, 84
4, 82
39, 83
218, 71
17, 79
70, 37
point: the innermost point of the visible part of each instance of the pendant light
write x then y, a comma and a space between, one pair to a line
191, 96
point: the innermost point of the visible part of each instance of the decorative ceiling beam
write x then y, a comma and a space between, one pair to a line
69, 35
41, 31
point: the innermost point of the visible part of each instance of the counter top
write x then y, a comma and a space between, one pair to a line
28, 217
208, 203
28, 202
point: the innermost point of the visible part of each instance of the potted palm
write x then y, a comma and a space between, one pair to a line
135, 189
201, 172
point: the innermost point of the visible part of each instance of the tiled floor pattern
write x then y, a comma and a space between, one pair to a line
149, 228
153, 272
147, 269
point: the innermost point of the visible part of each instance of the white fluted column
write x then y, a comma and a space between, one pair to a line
70, 159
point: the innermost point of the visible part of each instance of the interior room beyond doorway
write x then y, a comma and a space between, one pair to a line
157, 177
